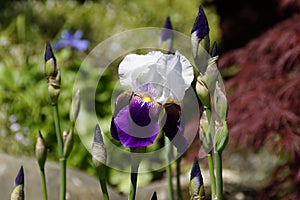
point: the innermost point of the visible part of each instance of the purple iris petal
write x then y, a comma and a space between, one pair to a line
139, 111
130, 134
201, 25
172, 127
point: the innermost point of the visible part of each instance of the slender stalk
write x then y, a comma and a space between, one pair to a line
44, 185
104, 188
211, 175
133, 180
62, 159
169, 169
219, 178
179, 193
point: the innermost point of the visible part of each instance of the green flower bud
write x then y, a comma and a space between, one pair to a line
75, 107
205, 134
54, 87
40, 151
17, 193
220, 103
68, 142
99, 153
202, 92
221, 137
211, 75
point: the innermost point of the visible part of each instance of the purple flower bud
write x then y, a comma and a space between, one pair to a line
214, 50
20, 178
167, 32
49, 53
200, 27
196, 180
154, 196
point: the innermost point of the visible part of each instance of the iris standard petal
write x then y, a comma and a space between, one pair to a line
170, 74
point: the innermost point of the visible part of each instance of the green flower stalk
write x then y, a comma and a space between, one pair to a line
99, 160
196, 182
18, 191
53, 77
135, 163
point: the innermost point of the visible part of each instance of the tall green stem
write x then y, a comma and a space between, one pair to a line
179, 194
62, 160
211, 175
219, 178
44, 185
104, 188
133, 180
168, 168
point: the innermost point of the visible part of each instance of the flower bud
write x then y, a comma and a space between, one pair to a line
202, 92
40, 151
99, 153
205, 134
68, 142
54, 87
167, 36
220, 103
196, 182
50, 61
154, 196
214, 50
221, 137
200, 31
211, 75
75, 107
18, 191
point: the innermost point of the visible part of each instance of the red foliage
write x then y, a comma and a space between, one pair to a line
264, 96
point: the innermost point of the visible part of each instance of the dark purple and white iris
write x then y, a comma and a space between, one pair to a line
154, 85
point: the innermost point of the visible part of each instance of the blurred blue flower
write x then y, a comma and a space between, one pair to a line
68, 39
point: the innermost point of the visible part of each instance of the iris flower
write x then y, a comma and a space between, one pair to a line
68, 39
153, 82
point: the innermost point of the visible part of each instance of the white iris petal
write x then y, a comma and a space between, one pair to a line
170, 75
